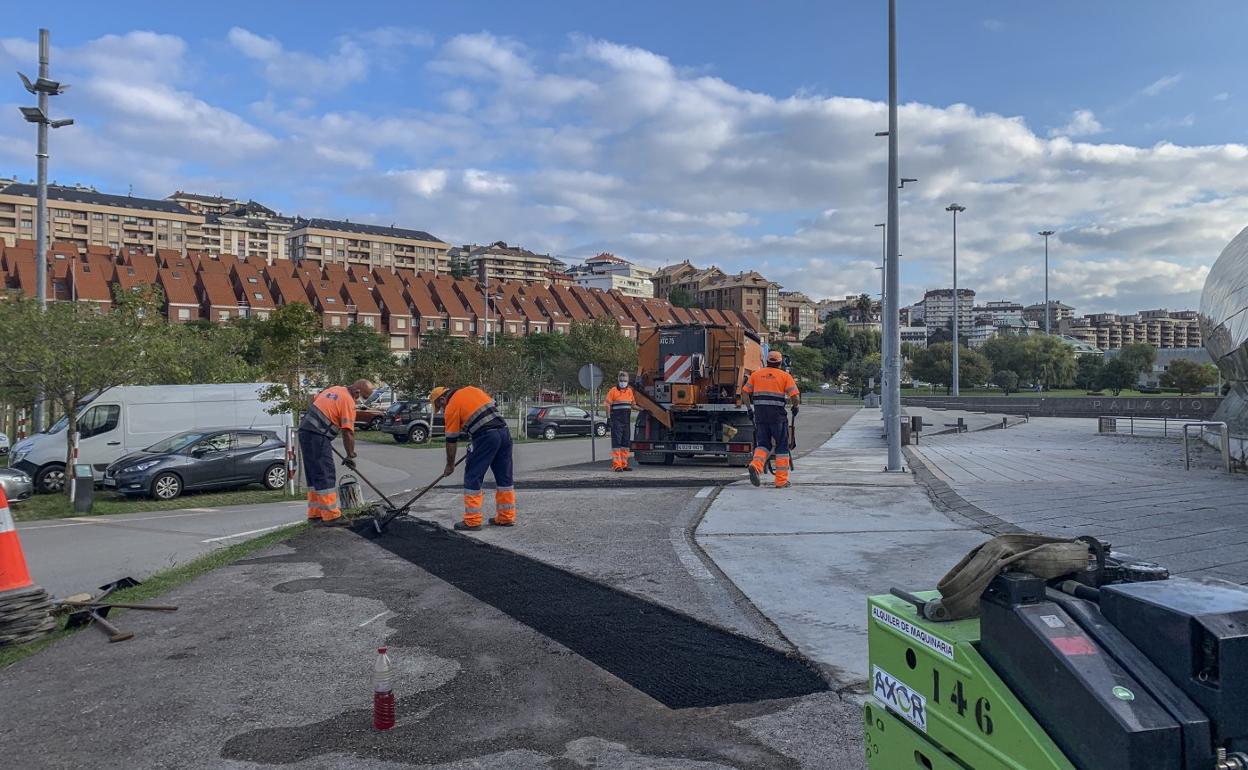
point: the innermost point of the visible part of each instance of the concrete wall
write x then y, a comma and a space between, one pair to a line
1090, 406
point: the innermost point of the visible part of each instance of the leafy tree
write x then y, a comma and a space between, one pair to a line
543, 354
783, 328
935, 364
598, 342
1189, 376
1053, 360
1117, 375
1006, 380
1088, 372
440, 360
680, 297
200, 352
1139, 356
354, 352
289, 354
807, 365
860, 372
72, 350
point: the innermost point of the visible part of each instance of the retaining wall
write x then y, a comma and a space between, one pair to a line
1081, 406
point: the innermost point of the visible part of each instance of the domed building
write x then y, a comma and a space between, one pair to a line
1224, 324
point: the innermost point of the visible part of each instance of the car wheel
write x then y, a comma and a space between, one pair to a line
166, 486
275, 476
374, 424
600, 430
50, 479
550, 433
418, 434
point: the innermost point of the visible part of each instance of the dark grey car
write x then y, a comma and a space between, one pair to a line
198, 460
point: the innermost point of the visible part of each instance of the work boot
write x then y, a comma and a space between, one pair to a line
465, 527
494, 522
627, 468
785, 485
341, 521
754, 479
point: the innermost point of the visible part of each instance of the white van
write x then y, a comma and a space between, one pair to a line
129, 418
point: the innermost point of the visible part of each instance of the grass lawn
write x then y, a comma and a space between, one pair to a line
58, 506
158, 584
1055, 393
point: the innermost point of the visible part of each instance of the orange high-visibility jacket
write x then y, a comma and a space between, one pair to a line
470, 411
770, 386
332, 410
620, 401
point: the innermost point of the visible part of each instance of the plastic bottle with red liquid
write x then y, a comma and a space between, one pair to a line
383, 695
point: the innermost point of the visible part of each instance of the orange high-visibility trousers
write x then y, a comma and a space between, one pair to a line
323, 505
13, 571
472, 507
505, 504
760, 459
619, 459
783, 464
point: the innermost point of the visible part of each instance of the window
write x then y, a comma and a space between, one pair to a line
252, 279
184, 314
27, 224
262, 315
248, 440
112, 217
99, 419
459, 326
177, 225
335, 321
400, 323
333, 301
396, 343
97, 215
370, 321
217, 443
223, 315
258, 295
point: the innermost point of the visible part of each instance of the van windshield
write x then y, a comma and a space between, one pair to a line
176, 443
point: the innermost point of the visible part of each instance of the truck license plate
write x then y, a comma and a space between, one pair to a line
690, 448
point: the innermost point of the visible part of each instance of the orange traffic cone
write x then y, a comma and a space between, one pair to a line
25, 608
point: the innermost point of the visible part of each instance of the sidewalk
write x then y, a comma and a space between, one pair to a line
808, 556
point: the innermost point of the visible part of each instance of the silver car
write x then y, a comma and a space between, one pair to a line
17, 485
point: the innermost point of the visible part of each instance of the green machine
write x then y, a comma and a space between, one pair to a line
1121, 667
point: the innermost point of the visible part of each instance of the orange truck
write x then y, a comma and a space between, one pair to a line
690, 378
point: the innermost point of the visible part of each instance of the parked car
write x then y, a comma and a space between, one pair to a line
368, 418
4, 444
550, 422
17, 484
197, 460
412, 421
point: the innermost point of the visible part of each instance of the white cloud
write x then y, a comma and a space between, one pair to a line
348, 63
425, 183
1221, 97
1082, 123
1161, 84
993, 25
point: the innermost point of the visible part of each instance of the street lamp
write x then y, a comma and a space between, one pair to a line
956, 209
42, 87
892, 393
1046, 234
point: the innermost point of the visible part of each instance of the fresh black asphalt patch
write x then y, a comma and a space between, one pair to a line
675, 659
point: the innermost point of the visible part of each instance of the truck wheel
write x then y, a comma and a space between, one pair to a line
166, 486
419, 434
50, 479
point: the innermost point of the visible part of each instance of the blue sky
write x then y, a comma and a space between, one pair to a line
719, 132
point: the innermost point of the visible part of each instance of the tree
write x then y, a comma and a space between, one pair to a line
1189, 376
358, 351
680, 297
1116, 375
1006, 380
440, 360
806, 365
860, 372
289, 354
1088, 372
71, 351
935, 364
1053, 360
598, 342
200, 352
1139, 356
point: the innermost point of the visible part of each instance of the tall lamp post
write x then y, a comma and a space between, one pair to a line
892, 394
956, 209
1046, 234
43, 87
883, 268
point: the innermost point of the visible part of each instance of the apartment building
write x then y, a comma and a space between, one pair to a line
1057, 313
744, 293
937, 310
999, 313
247, 230
683, 276
83, 217
500, 262
329, 241
1160, 328
203, 204
611, 273
798, 312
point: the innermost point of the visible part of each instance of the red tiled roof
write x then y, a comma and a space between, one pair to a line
249, 286
443, 290
568, 302
216, 290
326, 298
420, 299
165, 257
285, 287
390, 299
178, 285
90, 284
362, 273
25, 279
360, 295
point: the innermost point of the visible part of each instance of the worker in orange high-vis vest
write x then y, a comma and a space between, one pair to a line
471, 414
620, 403
332, 413
768, 389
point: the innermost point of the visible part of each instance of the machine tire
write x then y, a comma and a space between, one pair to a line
274, 476
50, 479
166, 486
418, 434
550, 433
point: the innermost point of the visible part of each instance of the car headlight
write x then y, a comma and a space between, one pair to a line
17, 457
141, 466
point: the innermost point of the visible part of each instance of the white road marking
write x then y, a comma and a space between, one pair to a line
705, 492
375, 617
250, 532
105, 519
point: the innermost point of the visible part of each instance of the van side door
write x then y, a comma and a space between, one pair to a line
100, 436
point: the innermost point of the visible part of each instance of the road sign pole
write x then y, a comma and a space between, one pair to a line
593, 434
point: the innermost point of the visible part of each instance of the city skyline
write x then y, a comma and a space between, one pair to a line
574, 135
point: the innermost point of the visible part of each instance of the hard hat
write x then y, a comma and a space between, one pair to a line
437, 393
775, 357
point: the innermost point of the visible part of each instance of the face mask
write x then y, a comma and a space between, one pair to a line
623, 384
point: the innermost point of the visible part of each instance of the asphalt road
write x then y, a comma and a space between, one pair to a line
71, 555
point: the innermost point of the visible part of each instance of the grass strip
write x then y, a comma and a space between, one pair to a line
160, 583
108, 503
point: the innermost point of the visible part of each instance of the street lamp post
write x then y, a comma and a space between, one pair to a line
1046, 234
42, 88
956, 209
883, 268
892, 394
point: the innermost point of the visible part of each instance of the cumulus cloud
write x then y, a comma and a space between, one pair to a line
1082, 123
348, 63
